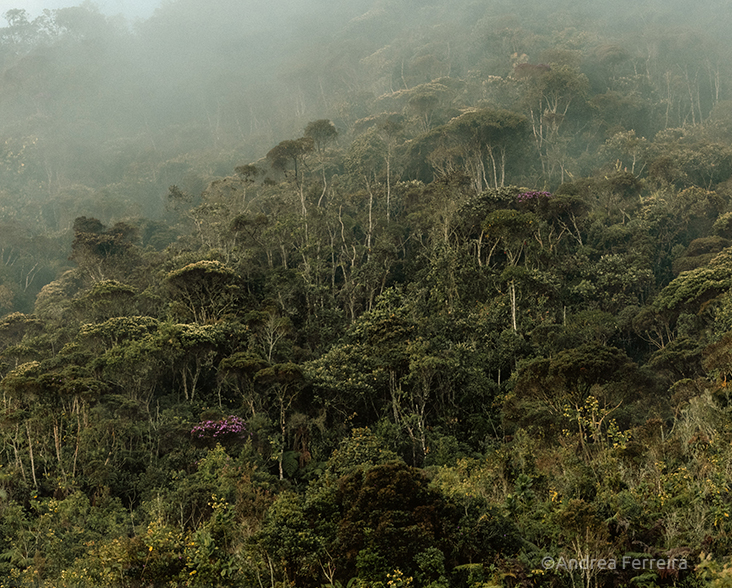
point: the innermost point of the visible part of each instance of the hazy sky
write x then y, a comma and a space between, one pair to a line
130, 8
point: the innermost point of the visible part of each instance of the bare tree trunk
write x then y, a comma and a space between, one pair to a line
493, 166
57, 444
503, 167
325, 187
18, 461
371, 224
30, 451
388, 187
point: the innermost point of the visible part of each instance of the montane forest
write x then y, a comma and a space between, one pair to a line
367, 294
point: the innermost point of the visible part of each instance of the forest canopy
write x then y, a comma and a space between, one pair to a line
368, 294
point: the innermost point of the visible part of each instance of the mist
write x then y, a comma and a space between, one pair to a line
102, 112
129, 9
95, 91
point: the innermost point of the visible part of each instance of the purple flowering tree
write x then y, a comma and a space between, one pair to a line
532, 196
230, 428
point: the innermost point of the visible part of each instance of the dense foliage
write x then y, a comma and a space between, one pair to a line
392, 294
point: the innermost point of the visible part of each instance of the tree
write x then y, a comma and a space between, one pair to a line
364, 163
389, 516
548, 94
322, 132
284, 381
513, 231
481, 141
691, 289
271, 330
346, 380
100, 252
193, 351
424, 100
584, 385
292, 152
362, 450
203, 292
238, 370
107, 299
287, 538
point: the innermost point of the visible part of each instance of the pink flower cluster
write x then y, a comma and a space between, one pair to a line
528, 196
230, 426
